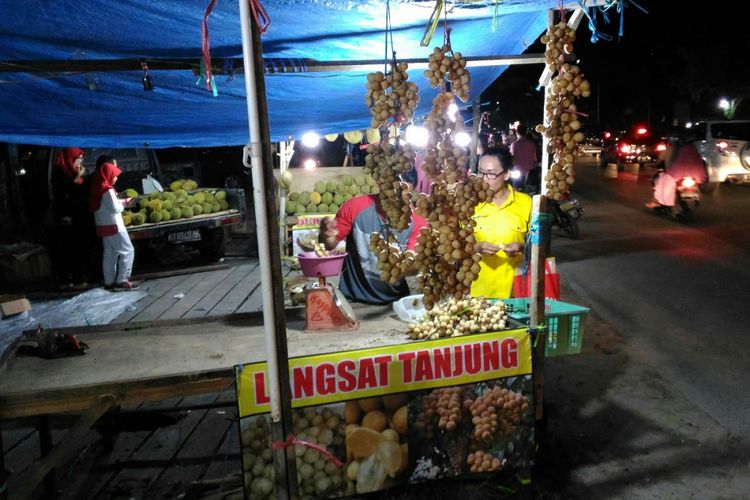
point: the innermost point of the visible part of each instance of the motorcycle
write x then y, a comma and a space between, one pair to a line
688, 196
565, 212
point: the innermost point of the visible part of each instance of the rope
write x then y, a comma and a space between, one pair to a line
262, 19
495, 15
293, 441
206, 46
432, 24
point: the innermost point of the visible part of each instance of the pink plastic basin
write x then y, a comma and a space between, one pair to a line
313, 266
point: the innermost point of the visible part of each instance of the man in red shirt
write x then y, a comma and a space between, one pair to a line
523, 151
355, 221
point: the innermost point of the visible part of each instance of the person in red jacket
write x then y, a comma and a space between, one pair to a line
117, 261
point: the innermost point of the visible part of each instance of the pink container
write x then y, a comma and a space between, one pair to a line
314, 266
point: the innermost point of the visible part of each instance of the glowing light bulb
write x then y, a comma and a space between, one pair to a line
310, 139
417, 136
310, 164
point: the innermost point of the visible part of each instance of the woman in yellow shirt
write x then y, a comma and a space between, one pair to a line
501, 227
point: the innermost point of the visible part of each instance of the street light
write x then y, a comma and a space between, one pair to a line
723, 104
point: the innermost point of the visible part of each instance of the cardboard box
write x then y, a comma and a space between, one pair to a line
13, 304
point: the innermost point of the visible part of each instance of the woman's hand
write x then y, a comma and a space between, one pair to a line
513, 249
485, 248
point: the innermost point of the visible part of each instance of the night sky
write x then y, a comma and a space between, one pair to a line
673, 63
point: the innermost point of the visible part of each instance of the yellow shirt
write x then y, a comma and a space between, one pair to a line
498, 225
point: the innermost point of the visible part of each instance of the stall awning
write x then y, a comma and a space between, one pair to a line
52, 100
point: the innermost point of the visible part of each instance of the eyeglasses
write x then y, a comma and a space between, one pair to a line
490, 175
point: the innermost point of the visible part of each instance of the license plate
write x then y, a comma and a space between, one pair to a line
184, 236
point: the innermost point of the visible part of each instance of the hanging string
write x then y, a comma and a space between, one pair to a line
262, 19
147, 83
206, 46
595, 34
432, 24
495, 16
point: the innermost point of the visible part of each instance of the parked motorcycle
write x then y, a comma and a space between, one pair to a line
565, 213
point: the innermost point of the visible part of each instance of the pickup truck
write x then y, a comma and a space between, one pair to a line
204, 232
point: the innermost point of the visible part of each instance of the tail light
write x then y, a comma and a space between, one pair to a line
625, 148
641, 131
687, 182
607, 135
661, 147
721, 147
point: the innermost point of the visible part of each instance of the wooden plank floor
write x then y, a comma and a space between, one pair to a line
161, 447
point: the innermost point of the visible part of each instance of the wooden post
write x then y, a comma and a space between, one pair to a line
536, 306
284, 463
476, 126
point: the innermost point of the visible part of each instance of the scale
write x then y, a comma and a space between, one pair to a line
326, 308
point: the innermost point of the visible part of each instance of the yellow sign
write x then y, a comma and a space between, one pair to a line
336, 377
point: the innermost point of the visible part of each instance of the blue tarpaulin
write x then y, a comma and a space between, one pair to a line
111, 108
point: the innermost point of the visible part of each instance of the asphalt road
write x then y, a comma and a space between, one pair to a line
676, 293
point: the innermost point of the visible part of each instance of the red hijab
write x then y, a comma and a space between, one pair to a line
66, 161
101, 183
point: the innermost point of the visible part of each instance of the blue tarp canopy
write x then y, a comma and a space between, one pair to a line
110, 108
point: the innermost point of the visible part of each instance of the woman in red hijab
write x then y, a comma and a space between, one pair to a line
118, 255
73, 223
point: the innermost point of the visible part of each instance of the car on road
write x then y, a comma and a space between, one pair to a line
725, 146
640, 145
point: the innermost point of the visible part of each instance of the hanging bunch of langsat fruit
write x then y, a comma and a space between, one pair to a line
391, 95
444, 63
563, 126
391, 99
446, 260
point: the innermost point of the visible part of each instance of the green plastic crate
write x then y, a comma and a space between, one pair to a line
565, 324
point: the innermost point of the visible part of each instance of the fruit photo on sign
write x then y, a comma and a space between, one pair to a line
319, 448
483, 427
376, 447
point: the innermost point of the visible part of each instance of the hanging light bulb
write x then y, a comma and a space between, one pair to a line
417, 136
310, 139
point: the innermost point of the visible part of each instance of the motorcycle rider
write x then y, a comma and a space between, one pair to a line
685, 161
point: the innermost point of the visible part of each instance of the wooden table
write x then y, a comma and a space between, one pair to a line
152, 361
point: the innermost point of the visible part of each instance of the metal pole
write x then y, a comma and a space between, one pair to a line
274, 320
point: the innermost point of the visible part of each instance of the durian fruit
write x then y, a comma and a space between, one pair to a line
155, 205
338, 198
292, 196
220, 195
156, 195
322, 208
330, 187
207, 207
181, 193
165, 215
340, 188
333, 208
127, 218
175, 213
197, 209
310, 208
155, 217
131, 193
138, 219
359, 180
320, 187
223, 205
143, 203
315, 198
216, 207
353, 190
374, 189
291, 207
167, 204
199, 198
187, 212
168, 195
189, 185
347, 180
369, 180
176, 185
327, 198
304, 198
